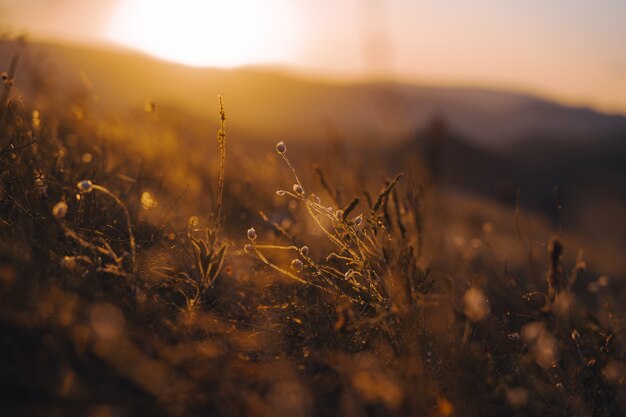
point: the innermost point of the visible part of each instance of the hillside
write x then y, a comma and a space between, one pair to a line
497, 143
173, 258
270, 105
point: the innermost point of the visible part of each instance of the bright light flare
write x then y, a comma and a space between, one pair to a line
222, 33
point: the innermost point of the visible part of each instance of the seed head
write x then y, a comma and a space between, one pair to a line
248, 248
251, 233
304, 250
147, 201
69, 262
281, 148
358, 220
297, 265
315, 199
297, 188
59, 211
193, 222
85, 186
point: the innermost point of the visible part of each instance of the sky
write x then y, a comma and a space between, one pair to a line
570, 50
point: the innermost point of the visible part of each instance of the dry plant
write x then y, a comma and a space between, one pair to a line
373, 318
100, 246
363, 267
203, 257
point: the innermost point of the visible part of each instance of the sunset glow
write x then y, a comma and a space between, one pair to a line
200, 33
570, 51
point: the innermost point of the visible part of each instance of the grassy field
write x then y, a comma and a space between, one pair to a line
146, 272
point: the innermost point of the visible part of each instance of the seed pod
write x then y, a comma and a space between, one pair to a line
85, 186
297, 265
251, 233
281, 148
59, 211
69, 262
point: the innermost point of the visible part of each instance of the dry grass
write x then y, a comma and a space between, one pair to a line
116, 300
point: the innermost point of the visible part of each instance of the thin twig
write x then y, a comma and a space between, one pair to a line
221, 138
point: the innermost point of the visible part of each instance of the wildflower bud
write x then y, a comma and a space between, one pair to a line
358, 220
69, 262
147, 201
251, 233
85, 186
59, 211
248, 248
193, 222
280, 192
297, 265
281, 148
304, 250
339, 214
315, 199
297, 188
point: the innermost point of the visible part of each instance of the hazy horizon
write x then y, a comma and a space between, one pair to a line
307, 76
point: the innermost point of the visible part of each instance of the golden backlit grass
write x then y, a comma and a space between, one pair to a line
148, 277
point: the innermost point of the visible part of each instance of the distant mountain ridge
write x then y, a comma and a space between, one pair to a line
270, 105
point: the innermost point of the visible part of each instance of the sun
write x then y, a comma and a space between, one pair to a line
223, 33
